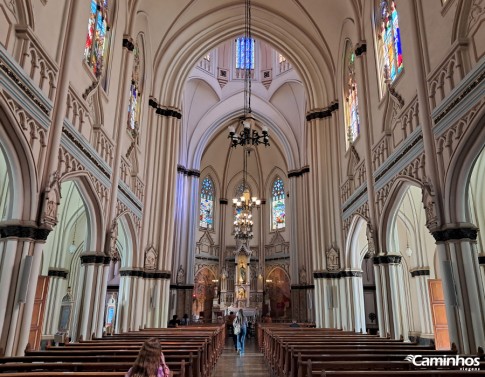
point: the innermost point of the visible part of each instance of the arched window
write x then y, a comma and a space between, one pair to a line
244, 53
207, 204
351, 104
388, 41
278, 204
97, 41
137, 75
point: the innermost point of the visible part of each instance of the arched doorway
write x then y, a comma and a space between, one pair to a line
278, 294
203, 294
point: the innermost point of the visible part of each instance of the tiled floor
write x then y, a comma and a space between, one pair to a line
251, 364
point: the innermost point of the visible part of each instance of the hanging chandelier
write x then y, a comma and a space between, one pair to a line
243, 222
248, 135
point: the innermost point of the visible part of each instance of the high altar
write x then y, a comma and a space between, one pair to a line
244, 298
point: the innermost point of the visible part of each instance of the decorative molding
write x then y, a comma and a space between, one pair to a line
452, 234
322, 113
95, 259
31, 92
24, 231
423, 271
299, 172
58, 272
472, 81
387, 259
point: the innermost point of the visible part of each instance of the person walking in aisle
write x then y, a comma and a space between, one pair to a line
242, 321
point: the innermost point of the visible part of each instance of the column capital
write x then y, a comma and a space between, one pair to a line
336, 274
24, 231
299, 172
95, 258
453, 232
147, 274
323, 112
387, 259
360, 48
128, 43
58, 272
420, 271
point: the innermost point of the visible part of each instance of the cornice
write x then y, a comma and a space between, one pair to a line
58, 273
154, 274
95, 259
423, 271
164, 110
336, 274
189, 172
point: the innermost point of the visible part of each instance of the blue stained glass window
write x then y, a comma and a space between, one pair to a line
207, 204
389, 41
278, 204
245, 53
96, 49
351, 105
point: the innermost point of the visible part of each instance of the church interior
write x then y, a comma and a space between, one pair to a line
311, 161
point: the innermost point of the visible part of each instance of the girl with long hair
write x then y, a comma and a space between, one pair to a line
241, 337
150, 361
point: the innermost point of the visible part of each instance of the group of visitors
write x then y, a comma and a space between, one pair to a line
239, 325
175, 322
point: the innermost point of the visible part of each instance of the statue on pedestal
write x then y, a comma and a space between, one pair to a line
242, 274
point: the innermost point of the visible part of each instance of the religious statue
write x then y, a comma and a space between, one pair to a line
180, 275
241, 294
242, 274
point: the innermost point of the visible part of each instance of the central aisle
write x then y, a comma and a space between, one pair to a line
251, 364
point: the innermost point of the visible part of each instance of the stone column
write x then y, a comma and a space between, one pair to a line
186, 218
352, 301
421, 276
391, 297
88, 297
462, 286
158, 229
322, 232
57, 290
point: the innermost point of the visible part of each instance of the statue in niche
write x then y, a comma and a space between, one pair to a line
180, 275
333, 259
223, 273
241, 294
370, 240
429, 204
242, 274
52, 196
302, 275
113, 250
151, 257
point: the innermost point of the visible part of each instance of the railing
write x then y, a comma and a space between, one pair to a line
41, 68
380, 152
449, 73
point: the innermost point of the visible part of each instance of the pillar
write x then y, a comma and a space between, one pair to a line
391, 297
462, 286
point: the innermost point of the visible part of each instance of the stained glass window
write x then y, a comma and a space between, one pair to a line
351, 105
244, 53
96, 48
388, 41
207, 204
135, 88
278, 204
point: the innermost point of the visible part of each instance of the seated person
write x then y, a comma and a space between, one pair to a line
174, 322
150, 361
294, 323
185, 320
267, 318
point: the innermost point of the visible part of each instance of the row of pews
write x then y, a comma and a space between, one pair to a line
310, 352
190, 351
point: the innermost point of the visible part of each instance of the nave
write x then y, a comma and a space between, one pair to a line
278, 351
